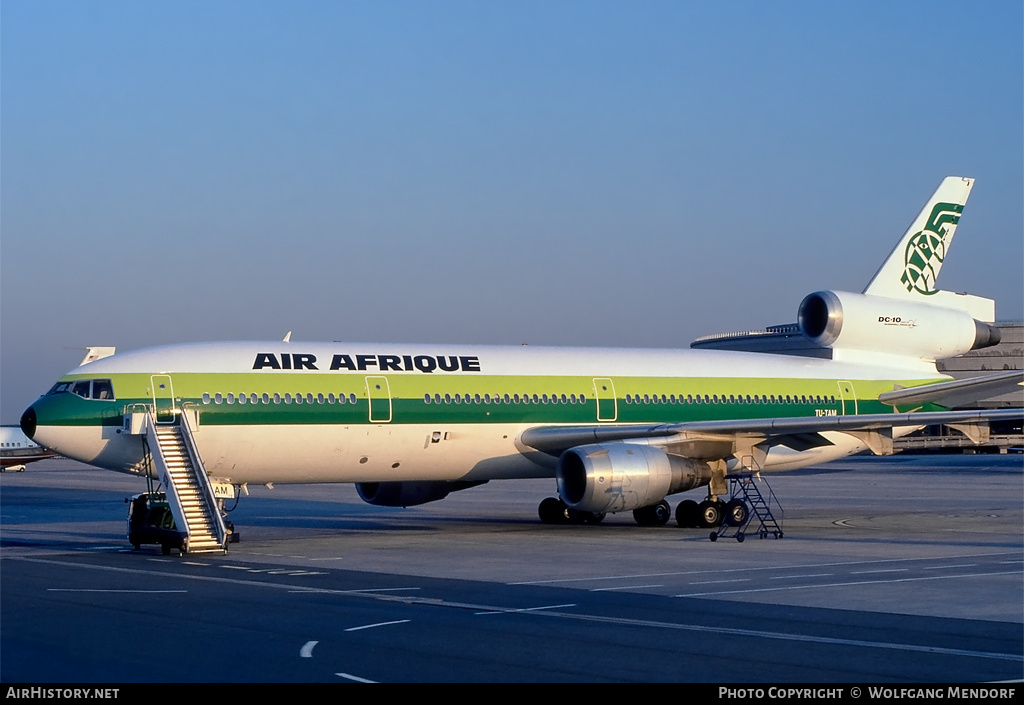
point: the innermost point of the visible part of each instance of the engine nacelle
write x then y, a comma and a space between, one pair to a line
408, 494
841, 320
616, 477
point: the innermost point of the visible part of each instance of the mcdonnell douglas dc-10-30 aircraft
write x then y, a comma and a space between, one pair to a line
619, 429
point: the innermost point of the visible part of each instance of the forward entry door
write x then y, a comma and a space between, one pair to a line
164, 408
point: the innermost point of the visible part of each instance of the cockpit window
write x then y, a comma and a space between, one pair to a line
86, 388
102, 389
60, 387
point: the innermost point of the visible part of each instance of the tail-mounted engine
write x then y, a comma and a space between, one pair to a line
616, 477
841, 320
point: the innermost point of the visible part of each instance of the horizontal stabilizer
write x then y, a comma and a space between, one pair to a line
957, 392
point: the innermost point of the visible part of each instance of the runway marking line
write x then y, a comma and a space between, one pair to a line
512, 610
357, 679
121, 591
378, 624
854, 582
764, 568
887, 570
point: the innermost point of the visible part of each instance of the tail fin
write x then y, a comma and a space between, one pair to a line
912, 268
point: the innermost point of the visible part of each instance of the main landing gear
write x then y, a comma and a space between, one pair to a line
711, 513
730, 517
554, 511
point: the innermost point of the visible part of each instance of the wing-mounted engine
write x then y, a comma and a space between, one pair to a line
844, 321
408, 494
615, 477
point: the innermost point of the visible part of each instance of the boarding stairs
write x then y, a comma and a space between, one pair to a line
186, 484
764, 514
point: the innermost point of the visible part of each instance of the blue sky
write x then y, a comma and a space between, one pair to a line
569, 173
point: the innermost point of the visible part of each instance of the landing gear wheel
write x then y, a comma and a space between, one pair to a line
736, 513
552, 511
687, 514
710, 513
654, 515
593, 517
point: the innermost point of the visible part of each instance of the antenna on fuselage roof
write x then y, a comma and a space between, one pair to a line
288, 337
95, 352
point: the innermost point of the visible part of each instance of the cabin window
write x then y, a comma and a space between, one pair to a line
287, 397
447, 398
476, 398
206, 397
320, 397
266, 398
298, 398
231, 398
426, 398
487, 398
242, 398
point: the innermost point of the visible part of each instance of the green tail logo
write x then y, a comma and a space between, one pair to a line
927, 249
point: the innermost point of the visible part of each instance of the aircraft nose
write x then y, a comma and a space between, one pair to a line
28, 422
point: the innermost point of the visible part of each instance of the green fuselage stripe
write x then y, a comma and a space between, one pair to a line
402, 399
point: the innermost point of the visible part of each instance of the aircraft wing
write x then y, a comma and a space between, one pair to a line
957, 392
713, 436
